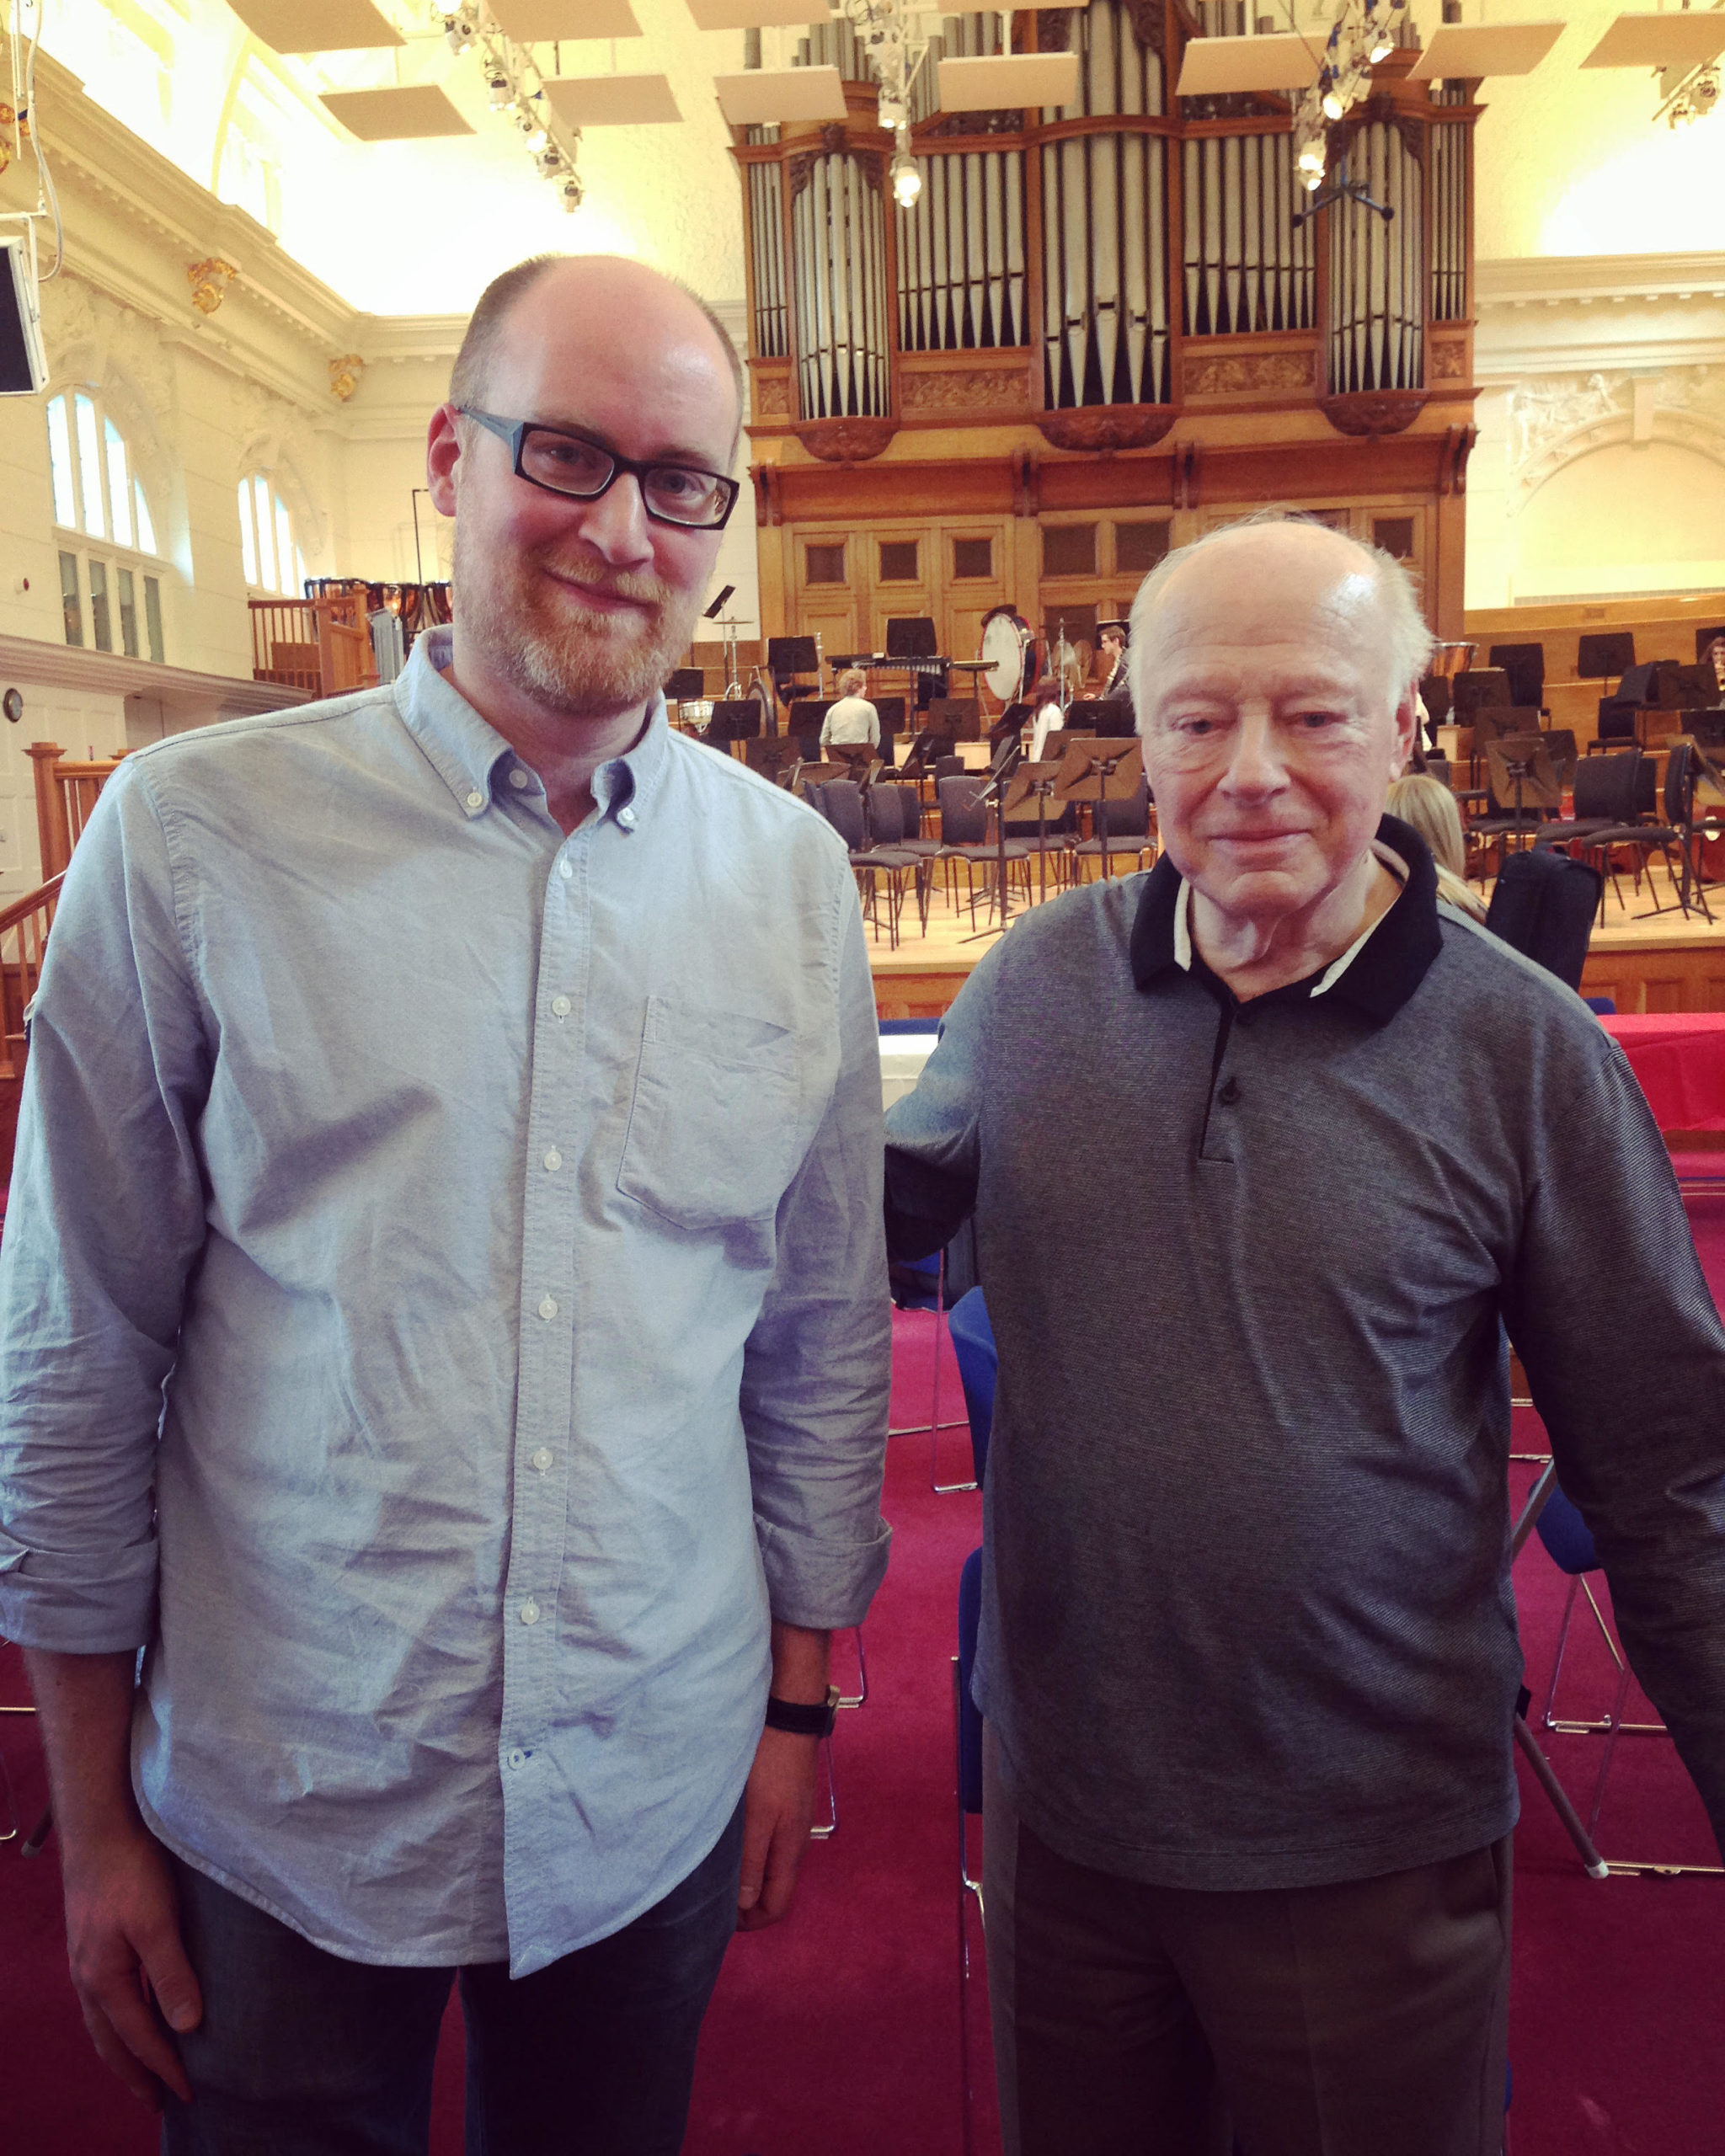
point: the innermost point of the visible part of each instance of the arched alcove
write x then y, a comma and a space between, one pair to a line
1625, 517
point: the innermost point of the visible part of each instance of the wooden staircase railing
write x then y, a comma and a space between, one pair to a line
66, 790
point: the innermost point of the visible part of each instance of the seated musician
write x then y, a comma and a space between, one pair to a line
852, 723
1049, 719
1714, 656
1111, 636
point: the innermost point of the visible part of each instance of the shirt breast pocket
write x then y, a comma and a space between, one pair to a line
714, 1123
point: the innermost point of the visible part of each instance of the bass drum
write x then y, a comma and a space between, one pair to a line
1005, 642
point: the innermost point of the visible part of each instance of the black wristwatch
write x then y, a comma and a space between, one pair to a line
801, 1721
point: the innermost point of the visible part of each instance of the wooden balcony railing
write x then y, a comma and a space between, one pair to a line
24, 937
323, 645
66, 790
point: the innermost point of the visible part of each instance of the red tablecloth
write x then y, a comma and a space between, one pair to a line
1680, 1058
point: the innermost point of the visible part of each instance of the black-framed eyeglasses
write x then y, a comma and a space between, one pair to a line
564, 462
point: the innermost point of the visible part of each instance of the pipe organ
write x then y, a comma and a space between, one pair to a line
1098, 330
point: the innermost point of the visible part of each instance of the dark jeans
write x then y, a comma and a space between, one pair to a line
301, 2053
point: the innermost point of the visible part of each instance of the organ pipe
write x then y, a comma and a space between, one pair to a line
1247, 267
838, 239
961, 253
1376, 282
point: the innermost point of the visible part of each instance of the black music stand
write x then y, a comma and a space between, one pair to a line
1526, 763
961, 717
738, 720
1111, 717
688, 685
1100, 771
1007, 758
936, 740
911, 636
1039, 779
788, 660
806, 720
773, 756
1598, 658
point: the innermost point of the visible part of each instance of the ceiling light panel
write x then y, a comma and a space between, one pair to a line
316, 25
612, 100
761, 95
567, 22
407, 115
1683, 42
1464, 52
1005, 80
757, 14
1224, 67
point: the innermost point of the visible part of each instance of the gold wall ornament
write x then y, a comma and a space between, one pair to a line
344, 375
209, 280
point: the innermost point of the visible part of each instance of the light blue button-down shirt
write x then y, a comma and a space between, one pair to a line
443, 1308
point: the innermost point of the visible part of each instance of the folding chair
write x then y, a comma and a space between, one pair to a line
979, 1366
967, 1746
1570, 1546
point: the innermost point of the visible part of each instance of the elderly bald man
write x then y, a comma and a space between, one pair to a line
1267, 1151
444, 1319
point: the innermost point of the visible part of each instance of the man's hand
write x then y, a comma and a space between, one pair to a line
778, 1805
122, 1928
128, 1966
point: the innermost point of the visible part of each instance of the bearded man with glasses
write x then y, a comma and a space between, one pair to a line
445, 1321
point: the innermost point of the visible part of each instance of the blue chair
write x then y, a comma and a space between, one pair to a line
1569, 1544
979, 1365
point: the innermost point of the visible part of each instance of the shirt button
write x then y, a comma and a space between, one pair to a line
625, 817
549, 1307
1228, 1091
517, 1759
542, 1458
553, 1159
519, 779
565, 869
530, 1612
476, 800
560, 1006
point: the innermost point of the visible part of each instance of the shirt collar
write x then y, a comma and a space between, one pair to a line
472, 757
1377, 974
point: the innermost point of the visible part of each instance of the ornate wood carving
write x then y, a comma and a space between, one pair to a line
772, 397
1449, 361
1232, 374
846, 442
1189, 456
834, 143
1235, 104
962, 389
1101, 428
1054, 28
1378, 108
971, 123
1374, 412
1147, 25
1458, 447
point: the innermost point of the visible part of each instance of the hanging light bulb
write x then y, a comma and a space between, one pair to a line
1312, 161
497, 89
570, 192
906, 179
1330, 95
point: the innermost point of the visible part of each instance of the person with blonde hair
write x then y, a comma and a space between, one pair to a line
851, 723
1428, 806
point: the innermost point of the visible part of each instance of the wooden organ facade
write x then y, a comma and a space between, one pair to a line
1100, 330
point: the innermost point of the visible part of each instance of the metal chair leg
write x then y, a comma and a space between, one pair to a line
859, 1697
829, 1825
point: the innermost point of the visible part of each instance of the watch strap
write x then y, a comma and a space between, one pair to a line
799, 1718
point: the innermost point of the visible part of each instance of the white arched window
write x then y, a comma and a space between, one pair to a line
99, 496
268, 546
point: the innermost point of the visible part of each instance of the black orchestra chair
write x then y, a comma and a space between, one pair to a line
840, 800
1606, 799
964, 836
1543, 905
1131, 835
894, 816
1682, 774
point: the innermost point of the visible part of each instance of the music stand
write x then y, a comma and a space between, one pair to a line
806, 720
935, 740
812, 773
1479, 689
1598, 657
788, 660
960, 716
1039, 779
911, 636
686, 685
737, 720
1523, 763
1111, 717
1007, 758
773, 756
856, 756
1100, 772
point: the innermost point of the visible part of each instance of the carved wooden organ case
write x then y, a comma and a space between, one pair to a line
1097, 331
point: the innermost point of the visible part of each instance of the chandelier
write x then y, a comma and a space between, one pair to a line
514, 85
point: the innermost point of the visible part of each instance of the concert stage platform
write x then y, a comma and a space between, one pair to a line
1667, 963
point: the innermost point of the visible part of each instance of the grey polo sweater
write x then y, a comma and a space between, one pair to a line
1247, 1614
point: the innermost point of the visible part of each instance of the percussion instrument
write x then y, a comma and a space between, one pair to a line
1005, 641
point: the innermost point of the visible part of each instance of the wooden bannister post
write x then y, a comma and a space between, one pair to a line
53, 830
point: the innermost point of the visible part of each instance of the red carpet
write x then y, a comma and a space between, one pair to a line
837, 2034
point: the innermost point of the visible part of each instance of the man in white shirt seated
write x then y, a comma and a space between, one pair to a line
853, 722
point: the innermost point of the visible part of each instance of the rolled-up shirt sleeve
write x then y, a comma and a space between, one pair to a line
933, 1154
817, 1369
104, 1220
1625, 1354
